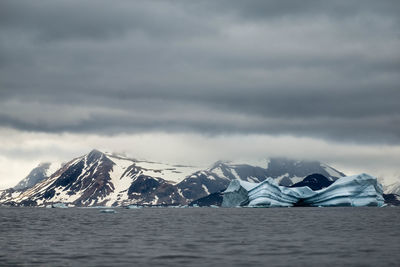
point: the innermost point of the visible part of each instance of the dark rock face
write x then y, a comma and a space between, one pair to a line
201, 184
144, 185
314, 181
37, 175
212, 199
68, 178
392, 199
167, 194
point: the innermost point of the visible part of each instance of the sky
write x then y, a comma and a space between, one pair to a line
197, 81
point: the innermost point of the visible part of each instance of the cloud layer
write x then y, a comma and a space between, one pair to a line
324, 70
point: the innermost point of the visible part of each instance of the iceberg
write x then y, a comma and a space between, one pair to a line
133, 207
59, 206
354, 191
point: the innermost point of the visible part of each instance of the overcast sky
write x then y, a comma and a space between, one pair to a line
197, 81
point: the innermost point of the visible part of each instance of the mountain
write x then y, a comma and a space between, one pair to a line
285, 171
106, 179
392, 199
214, 199
38, 174
392, 194
393, 188
41, 172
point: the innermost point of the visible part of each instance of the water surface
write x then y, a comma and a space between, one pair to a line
200, 237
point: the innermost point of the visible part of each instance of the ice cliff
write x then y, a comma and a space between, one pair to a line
356, 191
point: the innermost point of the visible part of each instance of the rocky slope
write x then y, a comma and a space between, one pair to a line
393, 188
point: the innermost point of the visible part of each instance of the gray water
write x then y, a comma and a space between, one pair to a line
200, 237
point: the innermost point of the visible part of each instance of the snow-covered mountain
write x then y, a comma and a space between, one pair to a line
285, 171
38, 174
105, 179
41, 172
393, 188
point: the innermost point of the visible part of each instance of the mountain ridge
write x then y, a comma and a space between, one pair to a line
106, 179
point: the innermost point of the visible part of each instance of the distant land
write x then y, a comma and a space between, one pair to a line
107, 179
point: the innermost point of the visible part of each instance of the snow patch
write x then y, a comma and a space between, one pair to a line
173, 173
331, 171
234, 173
205, 189
218, 172
120, 182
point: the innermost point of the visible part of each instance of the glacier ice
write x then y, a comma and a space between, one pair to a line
133, 207
356, 191
59, 205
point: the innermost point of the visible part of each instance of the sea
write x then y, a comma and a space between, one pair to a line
366, 236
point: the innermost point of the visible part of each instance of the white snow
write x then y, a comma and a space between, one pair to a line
154, 202
210, 177
279, 178
218, 172
205, 189
172, 173
120, 182
180, 192
234, 173
15, 194
330, 171
62, 196
252, 179
52, 169
296, 179
393, 188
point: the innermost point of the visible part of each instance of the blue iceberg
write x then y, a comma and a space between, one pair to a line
354, 191
58, 206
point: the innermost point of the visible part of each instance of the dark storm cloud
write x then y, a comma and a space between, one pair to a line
303, 68
259, 9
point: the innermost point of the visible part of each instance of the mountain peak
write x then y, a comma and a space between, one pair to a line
95, 152
44, 165
94, 155
38, 174
218, 164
